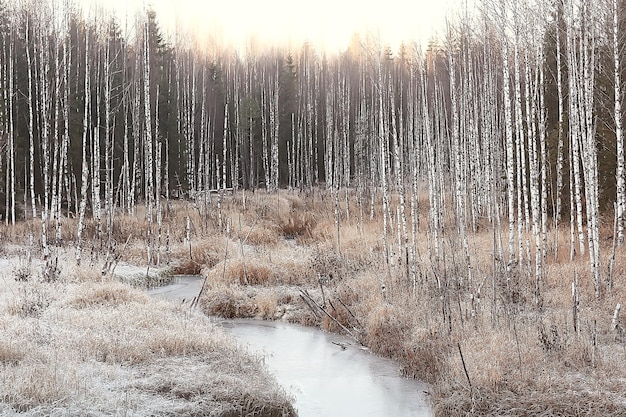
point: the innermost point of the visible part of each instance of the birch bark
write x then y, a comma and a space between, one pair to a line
85, 164
619, 132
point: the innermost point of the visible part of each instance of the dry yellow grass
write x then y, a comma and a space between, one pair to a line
263, 234
267, 305
228, 302
324, 231
100, 295
249, 273
505, 345
521, 358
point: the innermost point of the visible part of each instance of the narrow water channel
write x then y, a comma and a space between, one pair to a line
328, 374
326, 379
183, 288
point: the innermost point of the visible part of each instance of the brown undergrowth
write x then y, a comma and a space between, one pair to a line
473, 331
461, 318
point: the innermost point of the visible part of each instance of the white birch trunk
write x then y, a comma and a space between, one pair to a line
560, 143
56, 157
543, 170
157, 178
589, 148
383, 175
108, 140
575, 130
31, 135
520, 144
274, 128
63, 175
85, 164
264, 105
11, 138
619, 132
224, 145
96, 204
396, 134
45, 140
148, 145
510, 149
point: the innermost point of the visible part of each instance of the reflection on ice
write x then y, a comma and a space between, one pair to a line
327, 380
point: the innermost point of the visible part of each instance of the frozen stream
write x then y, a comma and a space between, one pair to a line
325, 379
183, 288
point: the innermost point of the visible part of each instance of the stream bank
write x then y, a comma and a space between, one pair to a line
328, 374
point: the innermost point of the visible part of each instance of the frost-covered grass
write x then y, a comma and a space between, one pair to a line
82, 346
261, 250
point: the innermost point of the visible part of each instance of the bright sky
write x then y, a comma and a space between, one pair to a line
327, 24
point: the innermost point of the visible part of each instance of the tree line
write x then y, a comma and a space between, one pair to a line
514, 118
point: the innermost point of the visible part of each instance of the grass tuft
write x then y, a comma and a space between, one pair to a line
263, 234
10, 354
30, 301
267, 305
249, 273
110, 295
228, 303
386, 331
188, 267
298, 225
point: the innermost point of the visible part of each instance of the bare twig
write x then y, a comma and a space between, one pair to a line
464, 367
197, 298
575, 304
319, 279
243, 258
306, 294
226, 250
350, 312
609, 283
519, 352
311, 307
343, 346
594, 344
111, 263
251, 229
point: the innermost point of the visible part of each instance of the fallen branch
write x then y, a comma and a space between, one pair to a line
351, 314
196, 299
306, 294
311, 307
343, 346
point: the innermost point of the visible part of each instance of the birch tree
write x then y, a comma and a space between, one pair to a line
85, 164
560, 140
148, 139
9, 96
508, 129
619, 132
31, 121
